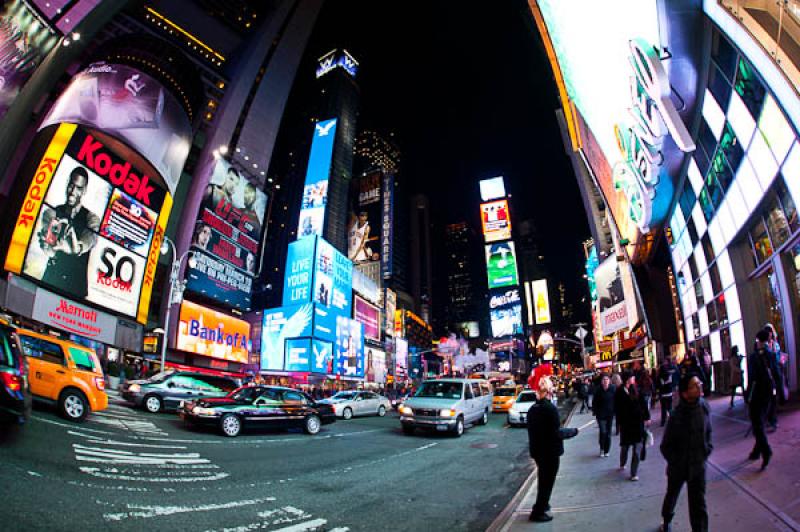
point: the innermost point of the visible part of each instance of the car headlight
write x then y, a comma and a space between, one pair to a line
447, 413
406, 411
200, 411
134, 388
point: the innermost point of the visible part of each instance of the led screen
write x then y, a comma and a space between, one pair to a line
92, 223
279, 325
541, 301
369, 316
315, 190
349, 347
317, 272
376, 365
401, 359
492, 188
207, 332
501, 265
298, 354
495, 221
506, 321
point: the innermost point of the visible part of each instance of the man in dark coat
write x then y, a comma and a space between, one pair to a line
632, 414
762, 382
603, 408
686, 446
545, 441
665, 388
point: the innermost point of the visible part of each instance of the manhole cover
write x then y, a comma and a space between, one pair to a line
483, 445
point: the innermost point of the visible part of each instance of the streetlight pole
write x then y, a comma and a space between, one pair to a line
176, 287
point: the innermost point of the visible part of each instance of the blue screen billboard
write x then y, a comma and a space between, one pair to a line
298, 354
349, 347
316, 272
281, 324
322, 357
298, 277
315, 190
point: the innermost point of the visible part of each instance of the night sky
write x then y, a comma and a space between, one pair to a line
468, 90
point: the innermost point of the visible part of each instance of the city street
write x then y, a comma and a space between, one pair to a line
126, 470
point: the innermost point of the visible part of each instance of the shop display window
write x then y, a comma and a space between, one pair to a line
776, 129
713, 114
794, 255
749, 87
759, 238
777, 224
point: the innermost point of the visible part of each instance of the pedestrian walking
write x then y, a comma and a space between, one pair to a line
590, 388
686, 446
546, 445
735, 368
774, 347
603, 408
665, 388
690, 365
647, 388
632, 416
707, 368
582, 391
761, 391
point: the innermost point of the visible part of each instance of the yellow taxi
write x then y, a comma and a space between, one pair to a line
65, 373
504, 398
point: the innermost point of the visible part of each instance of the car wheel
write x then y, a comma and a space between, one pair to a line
153, 404
408, 430
231, 425
312, 425
73, 405
347, 413
484, 418
458, 430
381, 411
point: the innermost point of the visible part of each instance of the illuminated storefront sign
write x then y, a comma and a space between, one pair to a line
337, 59
92, 223
65, 314
207, 332
495, 221
492, 188
541, 301
501, 265
315, 190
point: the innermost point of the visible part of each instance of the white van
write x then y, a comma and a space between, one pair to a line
447, 405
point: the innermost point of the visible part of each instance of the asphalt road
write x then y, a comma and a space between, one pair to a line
124, 469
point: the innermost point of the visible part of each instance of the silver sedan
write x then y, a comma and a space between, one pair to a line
351, 403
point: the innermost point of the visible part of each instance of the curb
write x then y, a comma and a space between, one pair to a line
504, 517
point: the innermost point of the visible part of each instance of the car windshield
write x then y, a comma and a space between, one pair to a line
344, 395
450, 390
504, 392
245, 394
526, 397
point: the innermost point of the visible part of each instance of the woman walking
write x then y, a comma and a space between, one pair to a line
632, 416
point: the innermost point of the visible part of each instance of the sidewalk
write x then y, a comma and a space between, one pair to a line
591, 493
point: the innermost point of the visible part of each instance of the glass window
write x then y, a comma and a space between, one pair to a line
762, 247
719, 87
476, 389
696, 325
763, 161
293, 397
716, 283
82, 359
450, 390
715, 191
777, 223
7, 348
698, 294
787, 202
741, 120
468, 392
777, 131
713, 114
687, 200
711, 311
731, 148
693, 269
725, 342
691, 228
723, 54
722, 311
707, 139
708, 251
749, 87
42, 349
706, 205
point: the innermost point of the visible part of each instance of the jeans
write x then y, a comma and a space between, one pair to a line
757, 414
666, 406
696, 485
546, 479
604, 424
623, 456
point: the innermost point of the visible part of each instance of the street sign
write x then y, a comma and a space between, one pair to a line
581, 333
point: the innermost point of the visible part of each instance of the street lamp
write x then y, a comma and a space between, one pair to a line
176, 288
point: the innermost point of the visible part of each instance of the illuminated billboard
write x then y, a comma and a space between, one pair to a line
541, 301
133, 107
315, 190
227, 237
368, 315
506, 320
401, 359
322, 357
503, 297
493, 188
279, 325
298, 354
317, 272
611, 305
495, 221
470, 329
376, 365
337, 59
92, 223
364, 227
207, 332
501, 265
349, 347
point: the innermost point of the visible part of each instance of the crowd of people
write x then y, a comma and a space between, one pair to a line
622, 402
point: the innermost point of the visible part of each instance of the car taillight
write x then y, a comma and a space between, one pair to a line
12, 382
100, 383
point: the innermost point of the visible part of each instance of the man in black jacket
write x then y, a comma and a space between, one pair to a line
603, 408
686, 446
762, 387
545, 440
665, 388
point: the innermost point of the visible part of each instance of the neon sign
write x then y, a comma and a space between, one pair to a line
336, 59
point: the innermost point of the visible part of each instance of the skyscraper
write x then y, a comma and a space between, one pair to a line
464, 290
374, 150
421, 263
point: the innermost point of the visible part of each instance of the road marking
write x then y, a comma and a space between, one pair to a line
300, 527
117, 456
34, 474
37, 418
586, 425
146, 512
114, 475
106, 441
135, 426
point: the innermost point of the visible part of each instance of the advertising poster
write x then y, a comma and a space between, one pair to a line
324, 323
207, 332
322, 357
369, 316
493, 188
470, 329
333, 279
99, 222
227, 237
133, 107
541, 301
299, 274
364, 286
507, 320
610, 297
315, 190
349, 347
501, 265
401, 359
376, 365
280, 325
495, 221
24, 43
298, 354
503, 297
390, 308
387, 225
364, 226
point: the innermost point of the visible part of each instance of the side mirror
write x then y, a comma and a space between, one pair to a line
170, 384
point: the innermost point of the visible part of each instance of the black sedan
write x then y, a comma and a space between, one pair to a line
258, 406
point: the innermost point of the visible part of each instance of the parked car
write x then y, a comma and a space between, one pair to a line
64, 373
504, 398
258, 406
168, 389
15, 394
447, 405
351, 403
518, 413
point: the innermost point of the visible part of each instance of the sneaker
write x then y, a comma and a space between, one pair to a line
602, 454
634, 478
541, 518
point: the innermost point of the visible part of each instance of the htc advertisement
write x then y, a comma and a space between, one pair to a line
495, 221
315, 190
